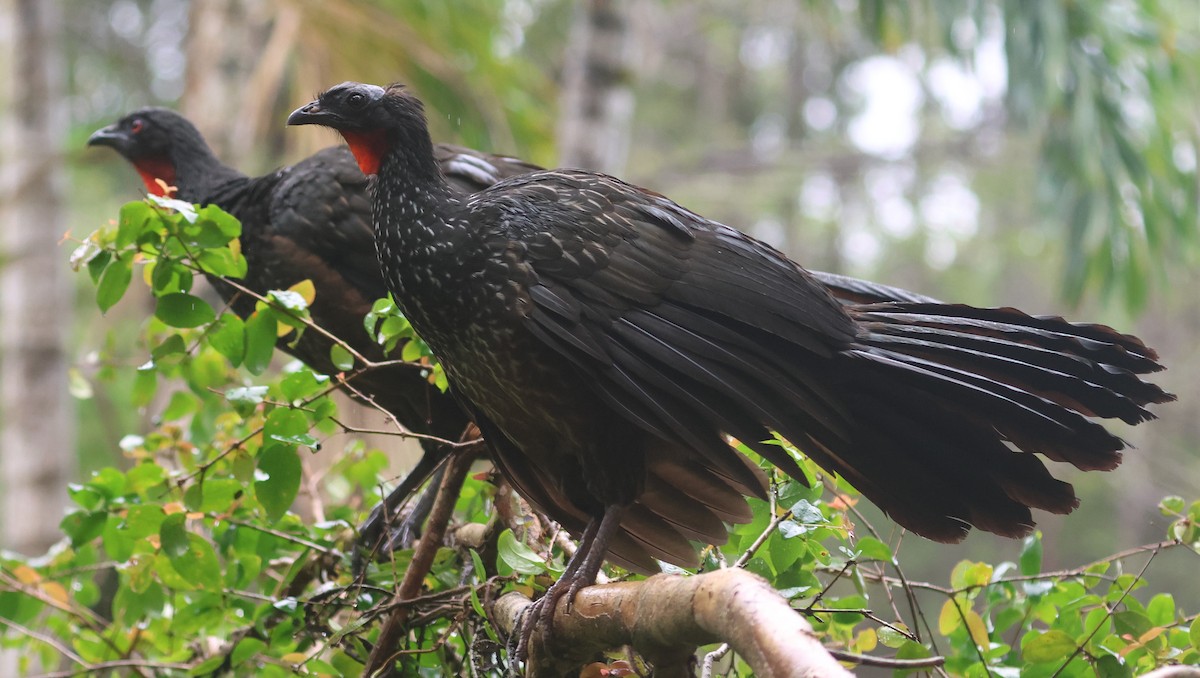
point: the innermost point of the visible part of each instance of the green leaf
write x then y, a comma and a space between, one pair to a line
1172, 505
145, 383
517, 557
1194, 633
97, 263
783, 553
341, 358
1051, 646
114, 280
179, 309
109, 481
144, 476
1031, 555
874, 549
260, 340
967, 574
132, 222
893, 639
182, 404
288, 426
279, 472
143, 520
245, 649
170, 276
226, 223
172, 345
1161, 610
172, 536
208, 666
301, 384
213, 496
411, 351
911, 650
805, 512
118, 542
222, 261
1108, 666
83, 526
198, 564
228, 336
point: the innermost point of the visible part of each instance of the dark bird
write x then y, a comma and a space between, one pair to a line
606, 341
311, 220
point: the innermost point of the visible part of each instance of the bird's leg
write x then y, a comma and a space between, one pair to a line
593, 557
374, 532
581, 571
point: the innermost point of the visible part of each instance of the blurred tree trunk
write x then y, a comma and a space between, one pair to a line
224, 42
37, 453
597, 100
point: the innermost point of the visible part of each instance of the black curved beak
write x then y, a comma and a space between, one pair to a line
311, 114
110, 136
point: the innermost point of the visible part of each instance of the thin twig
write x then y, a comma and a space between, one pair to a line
276, 533
49, 640
888, 663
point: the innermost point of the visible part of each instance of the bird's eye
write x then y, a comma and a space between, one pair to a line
356, 99
137, 125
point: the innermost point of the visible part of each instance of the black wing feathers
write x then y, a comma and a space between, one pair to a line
693, 330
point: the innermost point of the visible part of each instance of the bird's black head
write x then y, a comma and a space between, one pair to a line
154, 141
372, 119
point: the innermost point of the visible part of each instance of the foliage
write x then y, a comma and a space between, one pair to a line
1109, 87
195, 557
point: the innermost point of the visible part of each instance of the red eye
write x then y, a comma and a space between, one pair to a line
137, 125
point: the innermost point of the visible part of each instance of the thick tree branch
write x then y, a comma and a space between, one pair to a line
666, 617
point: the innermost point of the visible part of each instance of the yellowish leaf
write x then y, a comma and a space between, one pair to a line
977, 628
26, 574
866, 641
1151, 634
306, 290
172, 508
949, 619
56, 592
294, 658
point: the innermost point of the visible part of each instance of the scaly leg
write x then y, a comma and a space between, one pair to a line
581, 571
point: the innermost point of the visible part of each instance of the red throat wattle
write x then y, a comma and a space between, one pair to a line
368, 147
156, 168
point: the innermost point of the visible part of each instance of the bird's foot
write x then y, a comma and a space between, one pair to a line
580, 572
541, 612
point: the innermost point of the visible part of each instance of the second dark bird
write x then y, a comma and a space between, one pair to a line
310, 220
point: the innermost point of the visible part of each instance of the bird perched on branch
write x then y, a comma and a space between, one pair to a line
607, 340
311, 220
